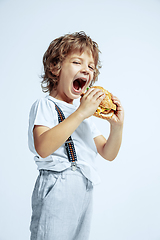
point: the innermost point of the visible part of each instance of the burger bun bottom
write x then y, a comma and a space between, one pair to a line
104, 116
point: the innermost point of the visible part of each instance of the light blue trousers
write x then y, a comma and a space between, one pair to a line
61, 206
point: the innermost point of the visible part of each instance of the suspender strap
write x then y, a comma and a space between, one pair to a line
72, 157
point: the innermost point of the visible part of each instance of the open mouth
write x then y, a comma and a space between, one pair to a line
78, 84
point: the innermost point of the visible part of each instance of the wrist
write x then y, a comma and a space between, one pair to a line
116, 127
79, 115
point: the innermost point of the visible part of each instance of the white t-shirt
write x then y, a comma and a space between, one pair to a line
43, 113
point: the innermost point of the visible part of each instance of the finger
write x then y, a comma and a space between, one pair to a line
101, 97
92, 92
114, 98
86, 93
116, 101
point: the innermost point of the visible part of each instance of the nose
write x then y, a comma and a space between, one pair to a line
85, 70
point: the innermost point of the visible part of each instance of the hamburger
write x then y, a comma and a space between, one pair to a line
106, 108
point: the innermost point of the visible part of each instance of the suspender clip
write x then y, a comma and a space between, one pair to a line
73, 166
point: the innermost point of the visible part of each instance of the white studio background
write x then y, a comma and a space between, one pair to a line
127, 202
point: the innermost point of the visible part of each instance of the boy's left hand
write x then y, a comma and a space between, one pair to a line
118, 116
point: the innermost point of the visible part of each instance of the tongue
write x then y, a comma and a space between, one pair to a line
76, 85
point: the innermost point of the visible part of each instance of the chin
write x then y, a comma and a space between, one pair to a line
75, 96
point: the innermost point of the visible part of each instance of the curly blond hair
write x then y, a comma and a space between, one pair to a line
58, 51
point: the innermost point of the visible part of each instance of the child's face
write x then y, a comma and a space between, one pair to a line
76, 75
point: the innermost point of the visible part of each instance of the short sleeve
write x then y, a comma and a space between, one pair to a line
42, 113
94, 129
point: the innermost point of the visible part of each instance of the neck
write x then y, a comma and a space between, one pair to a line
54, 93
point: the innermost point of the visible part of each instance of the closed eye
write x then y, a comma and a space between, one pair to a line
92, 68
75, 62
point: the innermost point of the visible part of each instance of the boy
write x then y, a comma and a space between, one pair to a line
62, 197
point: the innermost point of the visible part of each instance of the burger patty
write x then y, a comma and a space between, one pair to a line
106, 111
101, 110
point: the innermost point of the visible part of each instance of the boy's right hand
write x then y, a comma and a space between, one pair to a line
90, 102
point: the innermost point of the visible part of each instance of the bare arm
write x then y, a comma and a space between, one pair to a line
48, 140
109, 148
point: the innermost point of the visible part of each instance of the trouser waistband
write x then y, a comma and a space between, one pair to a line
66, 172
